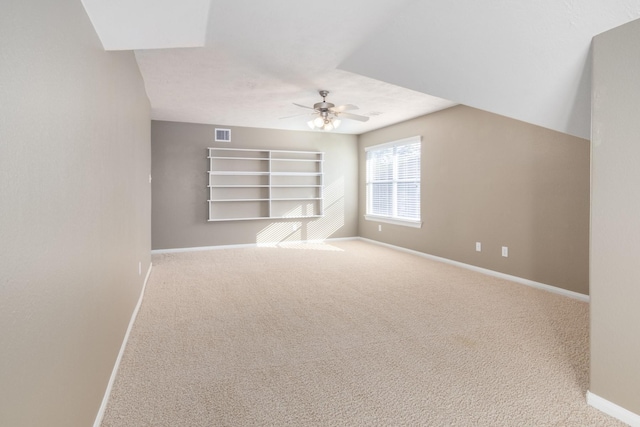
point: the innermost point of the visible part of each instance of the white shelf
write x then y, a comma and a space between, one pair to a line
263, 217
291, 185
238, 200
295, 160
282, 199
239, 186
235, 173
236, 219
281, 151
296, 173
294, 186
238, 158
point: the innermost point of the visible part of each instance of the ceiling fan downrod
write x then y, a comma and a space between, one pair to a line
324, 105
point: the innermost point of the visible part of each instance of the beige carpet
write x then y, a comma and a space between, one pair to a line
348, 334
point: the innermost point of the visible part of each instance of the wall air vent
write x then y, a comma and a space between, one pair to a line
223, 135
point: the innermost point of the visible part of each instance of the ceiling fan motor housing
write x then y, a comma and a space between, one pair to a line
323, 106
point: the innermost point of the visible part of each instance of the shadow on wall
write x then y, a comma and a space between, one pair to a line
299, 230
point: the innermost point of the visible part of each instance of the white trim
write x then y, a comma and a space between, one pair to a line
527, 282
395, 221
613, 410
403, 141
114, 372
248, 245
394, 181
520, 280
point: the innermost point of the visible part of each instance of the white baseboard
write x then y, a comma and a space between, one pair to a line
527, 282
107, 393
247, 245
516, 279
614, 410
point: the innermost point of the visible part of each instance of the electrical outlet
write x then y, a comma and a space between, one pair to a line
478, 247
379, 227
505, 251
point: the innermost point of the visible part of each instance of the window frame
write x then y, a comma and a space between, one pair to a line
393, 218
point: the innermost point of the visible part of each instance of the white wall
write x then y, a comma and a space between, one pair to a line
502, 182
615, 214
74, 211
180, 165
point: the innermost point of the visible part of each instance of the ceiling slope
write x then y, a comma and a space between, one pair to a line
525, 60
149, 24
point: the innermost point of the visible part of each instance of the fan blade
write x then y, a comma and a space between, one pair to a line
297, 115
303, 106
353, 117
342, 108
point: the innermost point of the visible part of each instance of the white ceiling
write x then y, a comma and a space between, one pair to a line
395, 59
528, 60
149, 24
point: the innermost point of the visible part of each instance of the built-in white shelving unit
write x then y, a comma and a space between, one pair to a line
249, 184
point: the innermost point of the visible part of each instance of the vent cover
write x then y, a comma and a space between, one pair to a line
223, 135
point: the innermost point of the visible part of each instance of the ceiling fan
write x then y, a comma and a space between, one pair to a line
327, 115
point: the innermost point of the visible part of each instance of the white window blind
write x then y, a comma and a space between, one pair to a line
393, 182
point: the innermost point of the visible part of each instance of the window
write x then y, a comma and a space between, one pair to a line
393, 182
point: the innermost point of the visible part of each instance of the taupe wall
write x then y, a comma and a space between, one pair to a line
501, 182
179, 186
74, 211
615, 217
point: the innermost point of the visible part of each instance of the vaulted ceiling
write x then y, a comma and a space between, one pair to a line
244, 63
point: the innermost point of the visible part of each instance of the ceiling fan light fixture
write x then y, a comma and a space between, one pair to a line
311, 124
318, 122
336, 122
328, 126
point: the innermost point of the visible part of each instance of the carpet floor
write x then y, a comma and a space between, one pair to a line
348, 333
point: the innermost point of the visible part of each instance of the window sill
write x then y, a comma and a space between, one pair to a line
395, 221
